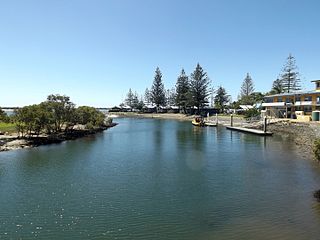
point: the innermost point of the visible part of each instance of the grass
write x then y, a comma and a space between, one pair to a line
7, 127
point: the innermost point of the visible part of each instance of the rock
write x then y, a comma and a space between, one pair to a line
316, 195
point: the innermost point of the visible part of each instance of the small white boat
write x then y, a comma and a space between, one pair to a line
210, 124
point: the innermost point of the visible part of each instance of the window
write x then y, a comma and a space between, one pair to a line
307, 98
298, 99
318, 99
279, 99
307, 109
269, 100
318, 84
288, 100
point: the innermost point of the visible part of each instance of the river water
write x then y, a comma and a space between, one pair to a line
160, 179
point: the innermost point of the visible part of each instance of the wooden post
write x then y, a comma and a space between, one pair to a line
265, 124
231, 120
217, 118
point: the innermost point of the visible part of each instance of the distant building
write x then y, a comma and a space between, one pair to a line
288, 105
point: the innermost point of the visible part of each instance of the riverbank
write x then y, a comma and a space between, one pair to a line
302, 133
13, 141
223, 119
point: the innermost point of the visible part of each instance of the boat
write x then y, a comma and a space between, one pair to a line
198, 121
210, 124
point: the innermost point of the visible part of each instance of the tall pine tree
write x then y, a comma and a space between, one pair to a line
221, 98
199, 87
182, 91
129, 98
147, 97
157, 93
247, 87
290, 76
277, 87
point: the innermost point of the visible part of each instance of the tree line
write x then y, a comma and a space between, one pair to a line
195, 90
55, 115
190, 91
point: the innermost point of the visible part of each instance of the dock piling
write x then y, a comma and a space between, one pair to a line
265, 124
231, 120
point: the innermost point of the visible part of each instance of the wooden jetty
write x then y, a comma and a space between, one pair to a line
250, 130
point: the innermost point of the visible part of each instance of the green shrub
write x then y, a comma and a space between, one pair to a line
253, 112
89, 126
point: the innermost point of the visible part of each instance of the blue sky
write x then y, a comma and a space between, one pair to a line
95, 50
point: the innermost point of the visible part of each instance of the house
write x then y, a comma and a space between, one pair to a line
289, 105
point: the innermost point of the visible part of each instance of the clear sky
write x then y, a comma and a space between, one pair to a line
95, 50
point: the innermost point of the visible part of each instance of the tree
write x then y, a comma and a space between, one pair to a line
135, 100
140, 104
247, 87
170, 97
290, 76
199, 84
129, 98
157, 94
147, 96
3, 116
61, 108
183, 91
221, 98
257, 97
277, 87
90, 117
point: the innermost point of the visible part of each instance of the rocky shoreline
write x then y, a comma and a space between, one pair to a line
13, 142
303, 134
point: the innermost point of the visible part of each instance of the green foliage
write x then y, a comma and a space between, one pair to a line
277, 87
221, 99
253, 112
316, 149
61, 109
157, 94
290, 76
199, 87
7, 127
3, 116
183, 91
253, 98
129, 98
247, 87
170, 97
55, 115
89, 115
147, 96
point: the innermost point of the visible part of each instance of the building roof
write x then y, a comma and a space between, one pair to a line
246, 107
293, 93
315, 81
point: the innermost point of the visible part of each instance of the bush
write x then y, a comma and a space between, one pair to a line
316, 149
89, 126
253, 112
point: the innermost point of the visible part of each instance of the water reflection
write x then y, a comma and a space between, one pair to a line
158, 179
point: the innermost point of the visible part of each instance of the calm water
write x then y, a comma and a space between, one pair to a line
160, 179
